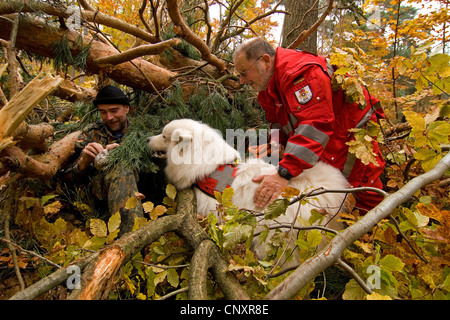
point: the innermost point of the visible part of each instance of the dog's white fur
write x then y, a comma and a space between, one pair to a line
194, 150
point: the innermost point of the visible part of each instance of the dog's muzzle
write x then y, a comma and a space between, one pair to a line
157, 153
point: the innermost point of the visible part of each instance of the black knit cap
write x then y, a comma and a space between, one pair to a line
111, 95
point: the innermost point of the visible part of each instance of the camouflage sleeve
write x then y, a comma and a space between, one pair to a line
71, 172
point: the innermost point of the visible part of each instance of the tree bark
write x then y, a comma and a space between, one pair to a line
40, 38
303, 16
42, 166
18, 108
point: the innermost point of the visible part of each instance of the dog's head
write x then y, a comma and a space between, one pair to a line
193, 150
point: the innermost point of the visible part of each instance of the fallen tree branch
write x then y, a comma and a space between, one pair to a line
42, 166
289, 287
149, 49
38, 37
99, 268
200, 264
8, 7
18, 108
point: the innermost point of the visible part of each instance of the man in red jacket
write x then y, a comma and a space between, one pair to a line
313, 120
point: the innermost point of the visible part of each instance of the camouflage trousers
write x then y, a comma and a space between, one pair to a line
117, 186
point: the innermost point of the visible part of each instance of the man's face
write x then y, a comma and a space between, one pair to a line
256, 73
114, 116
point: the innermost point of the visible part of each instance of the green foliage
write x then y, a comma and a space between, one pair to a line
393, 268
362, 145
133, 151
63, 54
349, 73
427, 136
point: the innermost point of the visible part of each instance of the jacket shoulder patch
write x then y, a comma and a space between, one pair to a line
304, 94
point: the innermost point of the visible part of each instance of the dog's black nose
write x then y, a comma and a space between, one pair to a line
148, 139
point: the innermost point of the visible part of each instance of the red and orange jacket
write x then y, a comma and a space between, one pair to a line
314, 120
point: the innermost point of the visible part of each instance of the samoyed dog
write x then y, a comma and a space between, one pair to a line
195, 152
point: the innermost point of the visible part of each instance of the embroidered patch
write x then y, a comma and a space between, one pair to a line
304, 95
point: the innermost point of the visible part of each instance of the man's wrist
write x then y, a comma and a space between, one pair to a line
284, 173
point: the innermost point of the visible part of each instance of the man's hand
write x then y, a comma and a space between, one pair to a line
111, 146
269, 189
88, 155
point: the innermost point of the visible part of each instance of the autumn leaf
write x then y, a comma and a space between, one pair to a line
98, 228
148, 206
114, 222
391, 263
415, 120
173, 278
171, 191
227, 195
52, 208
46, 198
377, 296
276, 208
131, 203
158, 211
433, 212
290, 192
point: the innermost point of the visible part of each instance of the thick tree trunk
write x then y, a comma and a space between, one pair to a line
40, 38
303, 15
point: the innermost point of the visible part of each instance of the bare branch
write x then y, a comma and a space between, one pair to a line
143, 50
222, 36
186, 33
354, 275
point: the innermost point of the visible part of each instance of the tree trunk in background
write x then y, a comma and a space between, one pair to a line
298, 10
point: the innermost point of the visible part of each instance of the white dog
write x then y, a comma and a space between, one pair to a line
197, 153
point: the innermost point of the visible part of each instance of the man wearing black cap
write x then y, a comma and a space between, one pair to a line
119, 184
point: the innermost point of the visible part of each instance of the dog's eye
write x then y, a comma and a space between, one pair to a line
164, 137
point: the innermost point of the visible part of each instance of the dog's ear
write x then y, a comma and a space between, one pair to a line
180, 135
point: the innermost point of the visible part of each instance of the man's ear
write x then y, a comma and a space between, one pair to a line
180, 135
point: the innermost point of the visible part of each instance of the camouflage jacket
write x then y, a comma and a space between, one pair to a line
96, 132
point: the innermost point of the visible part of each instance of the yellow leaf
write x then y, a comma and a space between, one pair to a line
98, 228
227, 195
139, 222
160, 277
290, 192
114, 222
314, 238
110, 238
141, 296
52, 208
171, 191
377, 296
131, 203
158, 211
148, 206
415, 120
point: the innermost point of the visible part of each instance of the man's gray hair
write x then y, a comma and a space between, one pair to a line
254, 48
